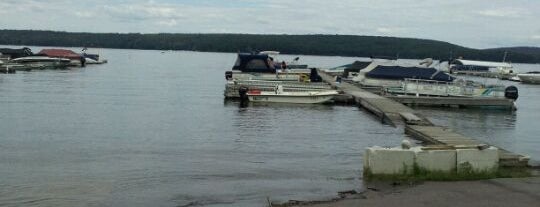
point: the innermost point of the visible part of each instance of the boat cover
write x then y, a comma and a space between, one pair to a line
60, 53
16, 53
399, 72
254, 63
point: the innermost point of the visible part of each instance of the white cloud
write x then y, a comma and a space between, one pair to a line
84, 14
503, 12
535, 37
170, 22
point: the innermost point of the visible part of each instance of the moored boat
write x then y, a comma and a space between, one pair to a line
43, 61
74, 58
503, 70
92, 58
459, 88
530, 77
261, 66
388, 74
300, 97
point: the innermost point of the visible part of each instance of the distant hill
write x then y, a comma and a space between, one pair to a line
338, 45
522, 50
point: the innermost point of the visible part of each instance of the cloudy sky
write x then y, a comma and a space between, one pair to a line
471, 23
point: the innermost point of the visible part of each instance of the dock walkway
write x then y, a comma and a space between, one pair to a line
389, 111
417, 126
439, 135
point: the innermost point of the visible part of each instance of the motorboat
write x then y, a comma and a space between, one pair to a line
281, 64
300, 97
390, 74
458, 88
43, 61
232, 88
261, 66
530, 77
348, 71
514, 78
92, 58
503, 69
74, 58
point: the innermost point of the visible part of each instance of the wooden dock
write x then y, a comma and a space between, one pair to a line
438, 135
502, 103
417, 126
389, 111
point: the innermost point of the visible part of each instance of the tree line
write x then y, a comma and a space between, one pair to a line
333, 45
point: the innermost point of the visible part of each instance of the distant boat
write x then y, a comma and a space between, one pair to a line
93, 58
474, 66
75, 59
530, 77
279, 96
43, 61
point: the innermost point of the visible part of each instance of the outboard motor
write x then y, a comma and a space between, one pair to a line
511, 92
228, 75
242, 91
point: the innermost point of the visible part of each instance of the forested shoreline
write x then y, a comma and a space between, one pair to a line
332, 45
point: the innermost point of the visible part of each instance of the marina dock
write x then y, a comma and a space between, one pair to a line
438, 135
394, 113
455, 101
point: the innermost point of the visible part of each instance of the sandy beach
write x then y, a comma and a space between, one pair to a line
495, 192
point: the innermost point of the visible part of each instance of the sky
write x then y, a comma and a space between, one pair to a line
470, 23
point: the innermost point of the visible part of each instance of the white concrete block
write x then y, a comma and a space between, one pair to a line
479, 160
389, 160
436, 160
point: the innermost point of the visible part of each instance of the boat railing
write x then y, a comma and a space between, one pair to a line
436, 88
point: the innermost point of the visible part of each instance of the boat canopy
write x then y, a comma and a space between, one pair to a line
482, 63
60, 53
16, 53
400, 72
260, 63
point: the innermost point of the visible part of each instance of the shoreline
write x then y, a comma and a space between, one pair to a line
492, 192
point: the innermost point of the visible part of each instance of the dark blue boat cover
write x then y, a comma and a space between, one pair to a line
398, 73
254, 63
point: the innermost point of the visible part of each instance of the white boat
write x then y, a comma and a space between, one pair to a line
530, 77
48, 62
503, 69
279, 96
459, 88
514, 78
93, 61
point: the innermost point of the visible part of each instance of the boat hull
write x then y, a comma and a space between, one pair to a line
305, 98
529, 78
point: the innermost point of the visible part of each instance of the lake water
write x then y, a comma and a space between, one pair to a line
151, 128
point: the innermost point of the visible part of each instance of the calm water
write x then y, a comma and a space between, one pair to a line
151, 128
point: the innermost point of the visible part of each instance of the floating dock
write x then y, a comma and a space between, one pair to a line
417, 126
444, 136
455, 101
390, 112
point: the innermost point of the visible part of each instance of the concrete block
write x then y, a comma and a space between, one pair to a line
436, 160
478, 160
389, 160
